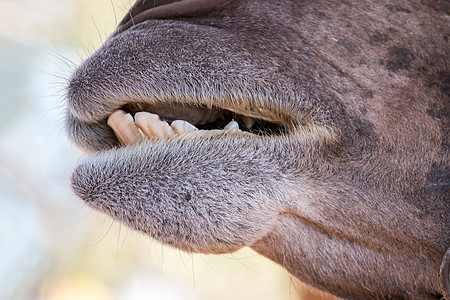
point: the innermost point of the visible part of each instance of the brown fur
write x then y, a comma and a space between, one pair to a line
354, 200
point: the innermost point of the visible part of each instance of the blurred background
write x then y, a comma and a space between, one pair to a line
51, 245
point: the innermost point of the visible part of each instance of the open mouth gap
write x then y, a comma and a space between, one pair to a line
208, 118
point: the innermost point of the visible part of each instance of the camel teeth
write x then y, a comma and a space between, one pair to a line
124, 127
232, 125
181, 126
152, 126
248, 121
145, 124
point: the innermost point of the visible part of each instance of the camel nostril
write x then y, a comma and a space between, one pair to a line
144, 10
141, 6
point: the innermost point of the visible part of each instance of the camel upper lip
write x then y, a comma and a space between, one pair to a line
101, 85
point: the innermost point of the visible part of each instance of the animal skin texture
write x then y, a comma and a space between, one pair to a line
352, 197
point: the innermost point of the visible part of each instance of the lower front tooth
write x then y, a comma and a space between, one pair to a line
123, 126
152, 126
181, 126
232, 125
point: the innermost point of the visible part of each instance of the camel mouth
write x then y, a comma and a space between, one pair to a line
135, 122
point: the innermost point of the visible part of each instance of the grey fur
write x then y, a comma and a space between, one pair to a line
354, 200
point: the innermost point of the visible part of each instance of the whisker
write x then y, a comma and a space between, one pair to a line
114, 12
98, 31
185, 266
193, 269
101, 239
215, 271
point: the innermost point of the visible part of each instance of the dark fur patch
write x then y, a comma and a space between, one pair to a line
441, 114
432, 198
441, 5
433, 111
439, 175
398, 59
358, 135
438, 190
188, 197
442, 82
378, 38
392, 30
367, 94
363, 127
348, 47
397, 8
